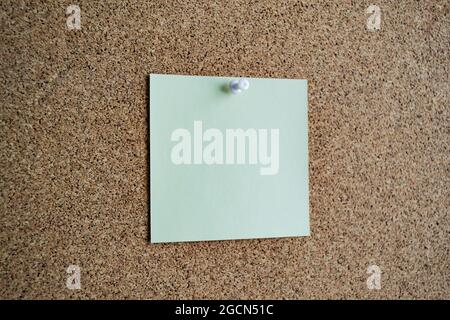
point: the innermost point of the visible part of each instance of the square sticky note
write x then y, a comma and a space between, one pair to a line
227, 166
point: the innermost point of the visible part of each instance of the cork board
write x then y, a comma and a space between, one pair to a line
74, 147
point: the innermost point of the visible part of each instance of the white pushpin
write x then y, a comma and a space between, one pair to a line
239, 85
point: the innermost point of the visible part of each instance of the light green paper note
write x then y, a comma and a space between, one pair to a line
209, 180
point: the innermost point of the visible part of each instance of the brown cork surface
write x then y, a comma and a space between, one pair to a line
74, 147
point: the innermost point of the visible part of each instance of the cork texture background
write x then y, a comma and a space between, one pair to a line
74, 143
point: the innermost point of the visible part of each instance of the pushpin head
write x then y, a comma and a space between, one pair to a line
239, 85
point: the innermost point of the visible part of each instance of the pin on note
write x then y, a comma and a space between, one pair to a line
239, 85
